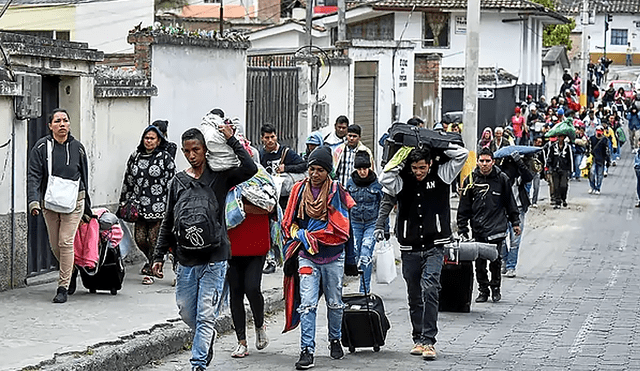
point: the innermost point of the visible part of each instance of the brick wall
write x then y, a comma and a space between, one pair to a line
269, 10
427, 67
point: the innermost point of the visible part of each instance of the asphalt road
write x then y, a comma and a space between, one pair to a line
574, 304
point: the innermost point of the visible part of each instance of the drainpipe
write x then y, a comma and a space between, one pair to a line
13, 200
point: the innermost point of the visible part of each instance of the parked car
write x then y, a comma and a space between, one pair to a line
626, 85
637, 84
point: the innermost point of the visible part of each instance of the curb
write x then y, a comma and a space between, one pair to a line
142, 347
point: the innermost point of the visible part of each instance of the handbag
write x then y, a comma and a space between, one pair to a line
386, 263
61, 194
128, 211
287, 179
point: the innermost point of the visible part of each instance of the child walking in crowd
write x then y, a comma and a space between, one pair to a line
367, 193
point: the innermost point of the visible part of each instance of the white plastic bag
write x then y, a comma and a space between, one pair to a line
386, 263
220, 156
61, 194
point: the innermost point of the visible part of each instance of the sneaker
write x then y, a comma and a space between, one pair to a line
212, 349
262, 340
564, 203
596, 192
638, 204
605, 174
336, 349
482, 298
503, 270
510, 273
306, 360
198, 368
429, 352
241, 351
591, 190
495, 295
613, 163
535, 206
417, 350
61, 295
270, 267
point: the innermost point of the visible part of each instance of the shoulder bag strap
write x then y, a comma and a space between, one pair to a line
285, 151
49, 160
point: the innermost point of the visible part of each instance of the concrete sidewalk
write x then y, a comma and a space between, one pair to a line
100, 331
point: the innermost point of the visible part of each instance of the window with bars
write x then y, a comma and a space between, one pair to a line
436, 30
379, 28
618, 37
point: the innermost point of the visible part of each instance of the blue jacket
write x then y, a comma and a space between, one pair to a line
634, 121
367, 201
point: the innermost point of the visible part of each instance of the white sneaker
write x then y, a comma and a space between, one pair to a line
262, 340
596, 192
590, 190
535, 206
241, 351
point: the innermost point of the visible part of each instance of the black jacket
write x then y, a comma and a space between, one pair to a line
488, 204
424, 214
69, 162
560, 158
600, 150
222, 182
293, 163
519, 175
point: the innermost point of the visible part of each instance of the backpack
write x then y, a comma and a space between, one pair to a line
621, 136
195, 222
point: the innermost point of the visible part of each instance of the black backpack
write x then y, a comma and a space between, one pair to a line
195, 222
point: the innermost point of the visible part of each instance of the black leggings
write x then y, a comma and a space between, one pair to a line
245, 278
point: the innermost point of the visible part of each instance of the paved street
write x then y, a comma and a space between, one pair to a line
573, 305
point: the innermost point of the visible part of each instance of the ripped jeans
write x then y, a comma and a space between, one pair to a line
198, 295
365, 242
315, 279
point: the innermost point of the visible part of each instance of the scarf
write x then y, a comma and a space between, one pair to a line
363, 182
314, 208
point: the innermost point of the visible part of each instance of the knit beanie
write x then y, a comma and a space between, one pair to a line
356, 129
362, 160
321, 156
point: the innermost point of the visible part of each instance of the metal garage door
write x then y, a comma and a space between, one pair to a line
365, 102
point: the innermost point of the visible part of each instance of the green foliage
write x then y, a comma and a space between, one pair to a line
556, 34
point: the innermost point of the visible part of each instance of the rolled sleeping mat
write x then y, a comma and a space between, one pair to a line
470, 251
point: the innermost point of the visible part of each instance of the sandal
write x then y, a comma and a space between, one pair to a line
146, 270
147, 280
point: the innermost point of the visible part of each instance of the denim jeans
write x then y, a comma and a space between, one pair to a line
577, 159
421, 272
312, 276
365, 242
510, 255
198, 294
535, 188
596, 176
638, 183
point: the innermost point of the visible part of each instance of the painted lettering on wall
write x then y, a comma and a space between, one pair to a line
402, 78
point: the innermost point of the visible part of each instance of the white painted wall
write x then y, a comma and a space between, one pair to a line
106, 24
338, 90
118, 128
193, 80
620, 21
6, 122
386, 83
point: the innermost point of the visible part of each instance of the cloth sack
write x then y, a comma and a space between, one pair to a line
386, 263
61, 194
288, 179
220, 156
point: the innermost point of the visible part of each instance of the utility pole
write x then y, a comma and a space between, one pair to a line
470, 99
342, 24
585, 53
309, 22
221, 17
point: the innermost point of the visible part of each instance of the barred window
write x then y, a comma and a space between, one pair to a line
618, 37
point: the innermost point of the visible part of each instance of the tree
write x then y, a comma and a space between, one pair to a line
556, 34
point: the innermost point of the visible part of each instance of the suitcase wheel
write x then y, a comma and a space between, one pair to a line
114, 291
93, 291
376, 349
352, 349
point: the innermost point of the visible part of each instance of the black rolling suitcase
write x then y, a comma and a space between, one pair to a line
364, 322
109, 273
456, 281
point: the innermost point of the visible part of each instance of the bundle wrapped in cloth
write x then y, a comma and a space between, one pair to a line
565, 128
220, 156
